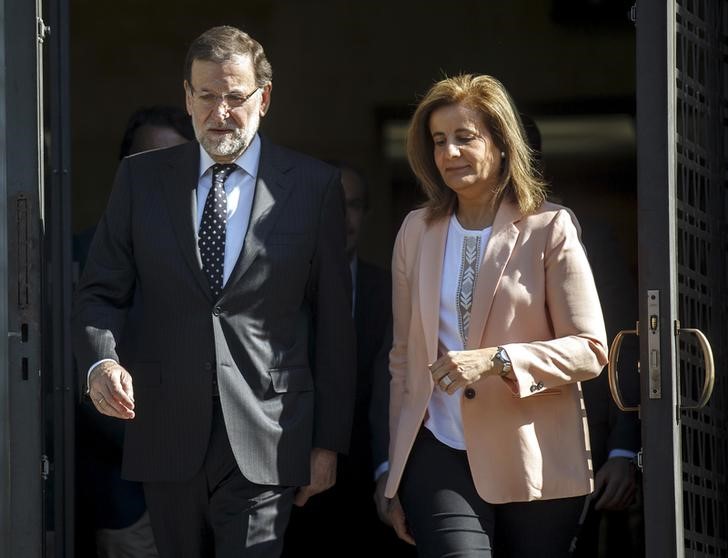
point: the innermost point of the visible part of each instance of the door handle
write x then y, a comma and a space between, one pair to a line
613, 374
709, 367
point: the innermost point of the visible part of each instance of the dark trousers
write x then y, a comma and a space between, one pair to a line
218, 513
447, 517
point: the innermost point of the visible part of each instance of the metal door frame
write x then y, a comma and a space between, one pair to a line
21, 155
60, 388
656, 98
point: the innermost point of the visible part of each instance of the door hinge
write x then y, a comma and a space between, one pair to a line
43, 30
45, 467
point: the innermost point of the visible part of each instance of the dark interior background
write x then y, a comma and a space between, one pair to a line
348, 73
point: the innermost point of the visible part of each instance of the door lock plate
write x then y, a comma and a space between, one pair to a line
653, 343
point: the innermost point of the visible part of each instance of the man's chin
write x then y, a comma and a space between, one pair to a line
224, 149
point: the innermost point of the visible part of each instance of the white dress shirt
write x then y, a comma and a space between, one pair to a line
240, 188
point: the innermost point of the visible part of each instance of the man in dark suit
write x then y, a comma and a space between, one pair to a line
608, 528
111, 515
214, 316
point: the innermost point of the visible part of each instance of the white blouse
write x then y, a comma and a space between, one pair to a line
464, 252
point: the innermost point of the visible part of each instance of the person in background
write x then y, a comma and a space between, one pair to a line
112, 519
496, 322
614, 435
155, 127
310, 528
214, 317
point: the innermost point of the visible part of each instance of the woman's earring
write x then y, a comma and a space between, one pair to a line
503, 154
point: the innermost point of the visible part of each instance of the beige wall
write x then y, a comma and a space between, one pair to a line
336, 64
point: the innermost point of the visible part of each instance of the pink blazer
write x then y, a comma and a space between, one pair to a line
527, 438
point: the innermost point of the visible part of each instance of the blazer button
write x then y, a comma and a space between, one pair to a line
209, 366
216, 311
469, 393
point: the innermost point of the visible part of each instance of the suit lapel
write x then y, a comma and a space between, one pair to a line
497, 253
432, 253
179, 181
271, 191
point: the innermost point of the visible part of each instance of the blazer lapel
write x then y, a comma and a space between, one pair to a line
179, 181
271, 191
432, 253
497, 253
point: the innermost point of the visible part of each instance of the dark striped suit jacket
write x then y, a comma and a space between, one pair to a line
280, 336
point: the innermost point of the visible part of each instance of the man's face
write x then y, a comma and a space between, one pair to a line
355, 199
225, 105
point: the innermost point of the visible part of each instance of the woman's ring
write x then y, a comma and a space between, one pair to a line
446, 380
98, 402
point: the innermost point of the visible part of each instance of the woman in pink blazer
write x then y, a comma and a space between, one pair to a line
496, 321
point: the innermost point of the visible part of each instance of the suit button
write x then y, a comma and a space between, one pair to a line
470, 393
216, 311
209, 366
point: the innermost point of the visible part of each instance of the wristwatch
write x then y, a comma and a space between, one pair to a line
502, 356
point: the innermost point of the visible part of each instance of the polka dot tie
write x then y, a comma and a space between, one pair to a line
212, 229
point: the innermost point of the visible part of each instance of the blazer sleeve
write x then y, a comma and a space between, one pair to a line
578, 349
334, 366
105, 290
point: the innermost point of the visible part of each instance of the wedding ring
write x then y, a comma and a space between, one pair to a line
98, 402
446, 381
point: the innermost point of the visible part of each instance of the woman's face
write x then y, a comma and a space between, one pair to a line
468, 160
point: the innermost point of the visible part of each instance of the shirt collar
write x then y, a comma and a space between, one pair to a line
248, 159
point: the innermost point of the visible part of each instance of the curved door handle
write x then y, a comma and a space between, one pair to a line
613, 374
709, 368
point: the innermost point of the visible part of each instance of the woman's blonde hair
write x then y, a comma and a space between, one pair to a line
519, 180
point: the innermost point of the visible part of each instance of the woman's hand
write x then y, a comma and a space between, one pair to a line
457, 369
399, 522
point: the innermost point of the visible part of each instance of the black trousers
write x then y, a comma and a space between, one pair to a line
447, 517
218, 513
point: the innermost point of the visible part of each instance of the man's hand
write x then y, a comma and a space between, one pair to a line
399, 521
380, 501
323, 475
617, 482
110, 388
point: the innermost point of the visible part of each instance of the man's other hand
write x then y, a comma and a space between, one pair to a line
323, 475
615, 484
381, 502
110, 388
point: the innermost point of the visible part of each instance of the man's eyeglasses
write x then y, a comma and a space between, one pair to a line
230, 100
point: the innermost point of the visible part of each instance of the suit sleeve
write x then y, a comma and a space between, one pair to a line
334, 367
379, 404
578, 350
401, 315
106, 287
